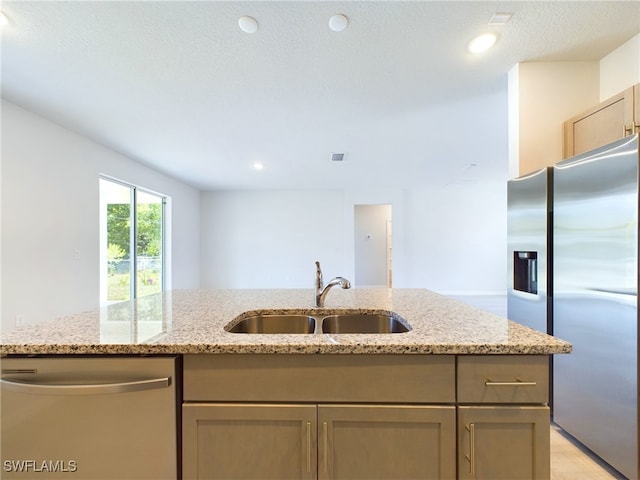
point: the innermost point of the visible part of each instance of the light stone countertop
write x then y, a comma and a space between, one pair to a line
193, 322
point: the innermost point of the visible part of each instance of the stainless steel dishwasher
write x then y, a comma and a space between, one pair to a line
88, 417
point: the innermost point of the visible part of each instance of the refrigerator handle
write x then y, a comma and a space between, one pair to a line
21, 386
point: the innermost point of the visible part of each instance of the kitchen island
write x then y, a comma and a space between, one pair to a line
462, 394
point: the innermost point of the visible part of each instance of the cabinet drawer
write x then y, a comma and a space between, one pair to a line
320, 378
503, 379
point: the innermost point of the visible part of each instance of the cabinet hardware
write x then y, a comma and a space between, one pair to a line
22, 386
627, 130
325, 446
19, 371
471, 458
637, 127
517, 383
308, 447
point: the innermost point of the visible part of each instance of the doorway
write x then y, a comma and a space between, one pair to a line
373, 246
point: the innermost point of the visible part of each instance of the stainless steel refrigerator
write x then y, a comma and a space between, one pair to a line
529, 244
595, 287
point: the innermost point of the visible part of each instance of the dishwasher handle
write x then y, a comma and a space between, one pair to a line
22, 386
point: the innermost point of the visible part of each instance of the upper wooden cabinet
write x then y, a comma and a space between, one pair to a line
615, 118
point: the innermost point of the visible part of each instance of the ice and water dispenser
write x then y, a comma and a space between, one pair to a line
525, 271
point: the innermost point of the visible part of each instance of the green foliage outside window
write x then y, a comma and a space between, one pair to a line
149, 242
149, 247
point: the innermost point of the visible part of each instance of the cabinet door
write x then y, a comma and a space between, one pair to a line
386, 442
611, 120
503, 443
226, 441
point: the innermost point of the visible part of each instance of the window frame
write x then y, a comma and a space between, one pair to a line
133, 238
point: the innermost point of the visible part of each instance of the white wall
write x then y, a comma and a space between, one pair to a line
457, 238
271, 239
451, 239
620, 69
50, 228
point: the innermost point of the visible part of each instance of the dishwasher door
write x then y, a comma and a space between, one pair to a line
91, 418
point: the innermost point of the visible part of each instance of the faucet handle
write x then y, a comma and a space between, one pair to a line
319, 282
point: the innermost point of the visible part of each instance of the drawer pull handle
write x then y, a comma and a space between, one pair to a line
471, 458
517, 383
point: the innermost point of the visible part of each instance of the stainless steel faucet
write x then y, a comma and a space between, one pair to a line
321, 290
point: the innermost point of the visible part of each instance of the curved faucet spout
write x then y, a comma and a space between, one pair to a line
321, 292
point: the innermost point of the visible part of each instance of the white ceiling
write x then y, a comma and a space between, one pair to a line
178, 86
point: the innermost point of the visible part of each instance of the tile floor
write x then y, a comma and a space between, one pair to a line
571, 461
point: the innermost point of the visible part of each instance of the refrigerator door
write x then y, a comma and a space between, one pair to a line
595, 246
528, 239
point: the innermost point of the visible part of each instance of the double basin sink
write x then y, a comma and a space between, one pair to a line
358, 323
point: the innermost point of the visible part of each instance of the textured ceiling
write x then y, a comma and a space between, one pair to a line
177, 85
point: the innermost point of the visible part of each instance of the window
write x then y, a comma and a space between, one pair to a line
131, 241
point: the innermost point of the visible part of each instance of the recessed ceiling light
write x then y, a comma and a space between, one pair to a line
4, 20
248, 24
482, 42
338, 23
258, 166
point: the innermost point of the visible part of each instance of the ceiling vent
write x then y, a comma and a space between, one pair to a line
337, 157
500, 18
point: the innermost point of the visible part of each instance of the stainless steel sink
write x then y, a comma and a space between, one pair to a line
362, 323
292, 323
276, 324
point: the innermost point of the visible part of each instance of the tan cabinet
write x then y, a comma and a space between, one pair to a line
319, 416
365, 417
222, 441
320, 378
503, 417
611, 120
502, 379
503, 443
386, 442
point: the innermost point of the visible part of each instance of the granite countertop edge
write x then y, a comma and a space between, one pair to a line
194, 322
216, 350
